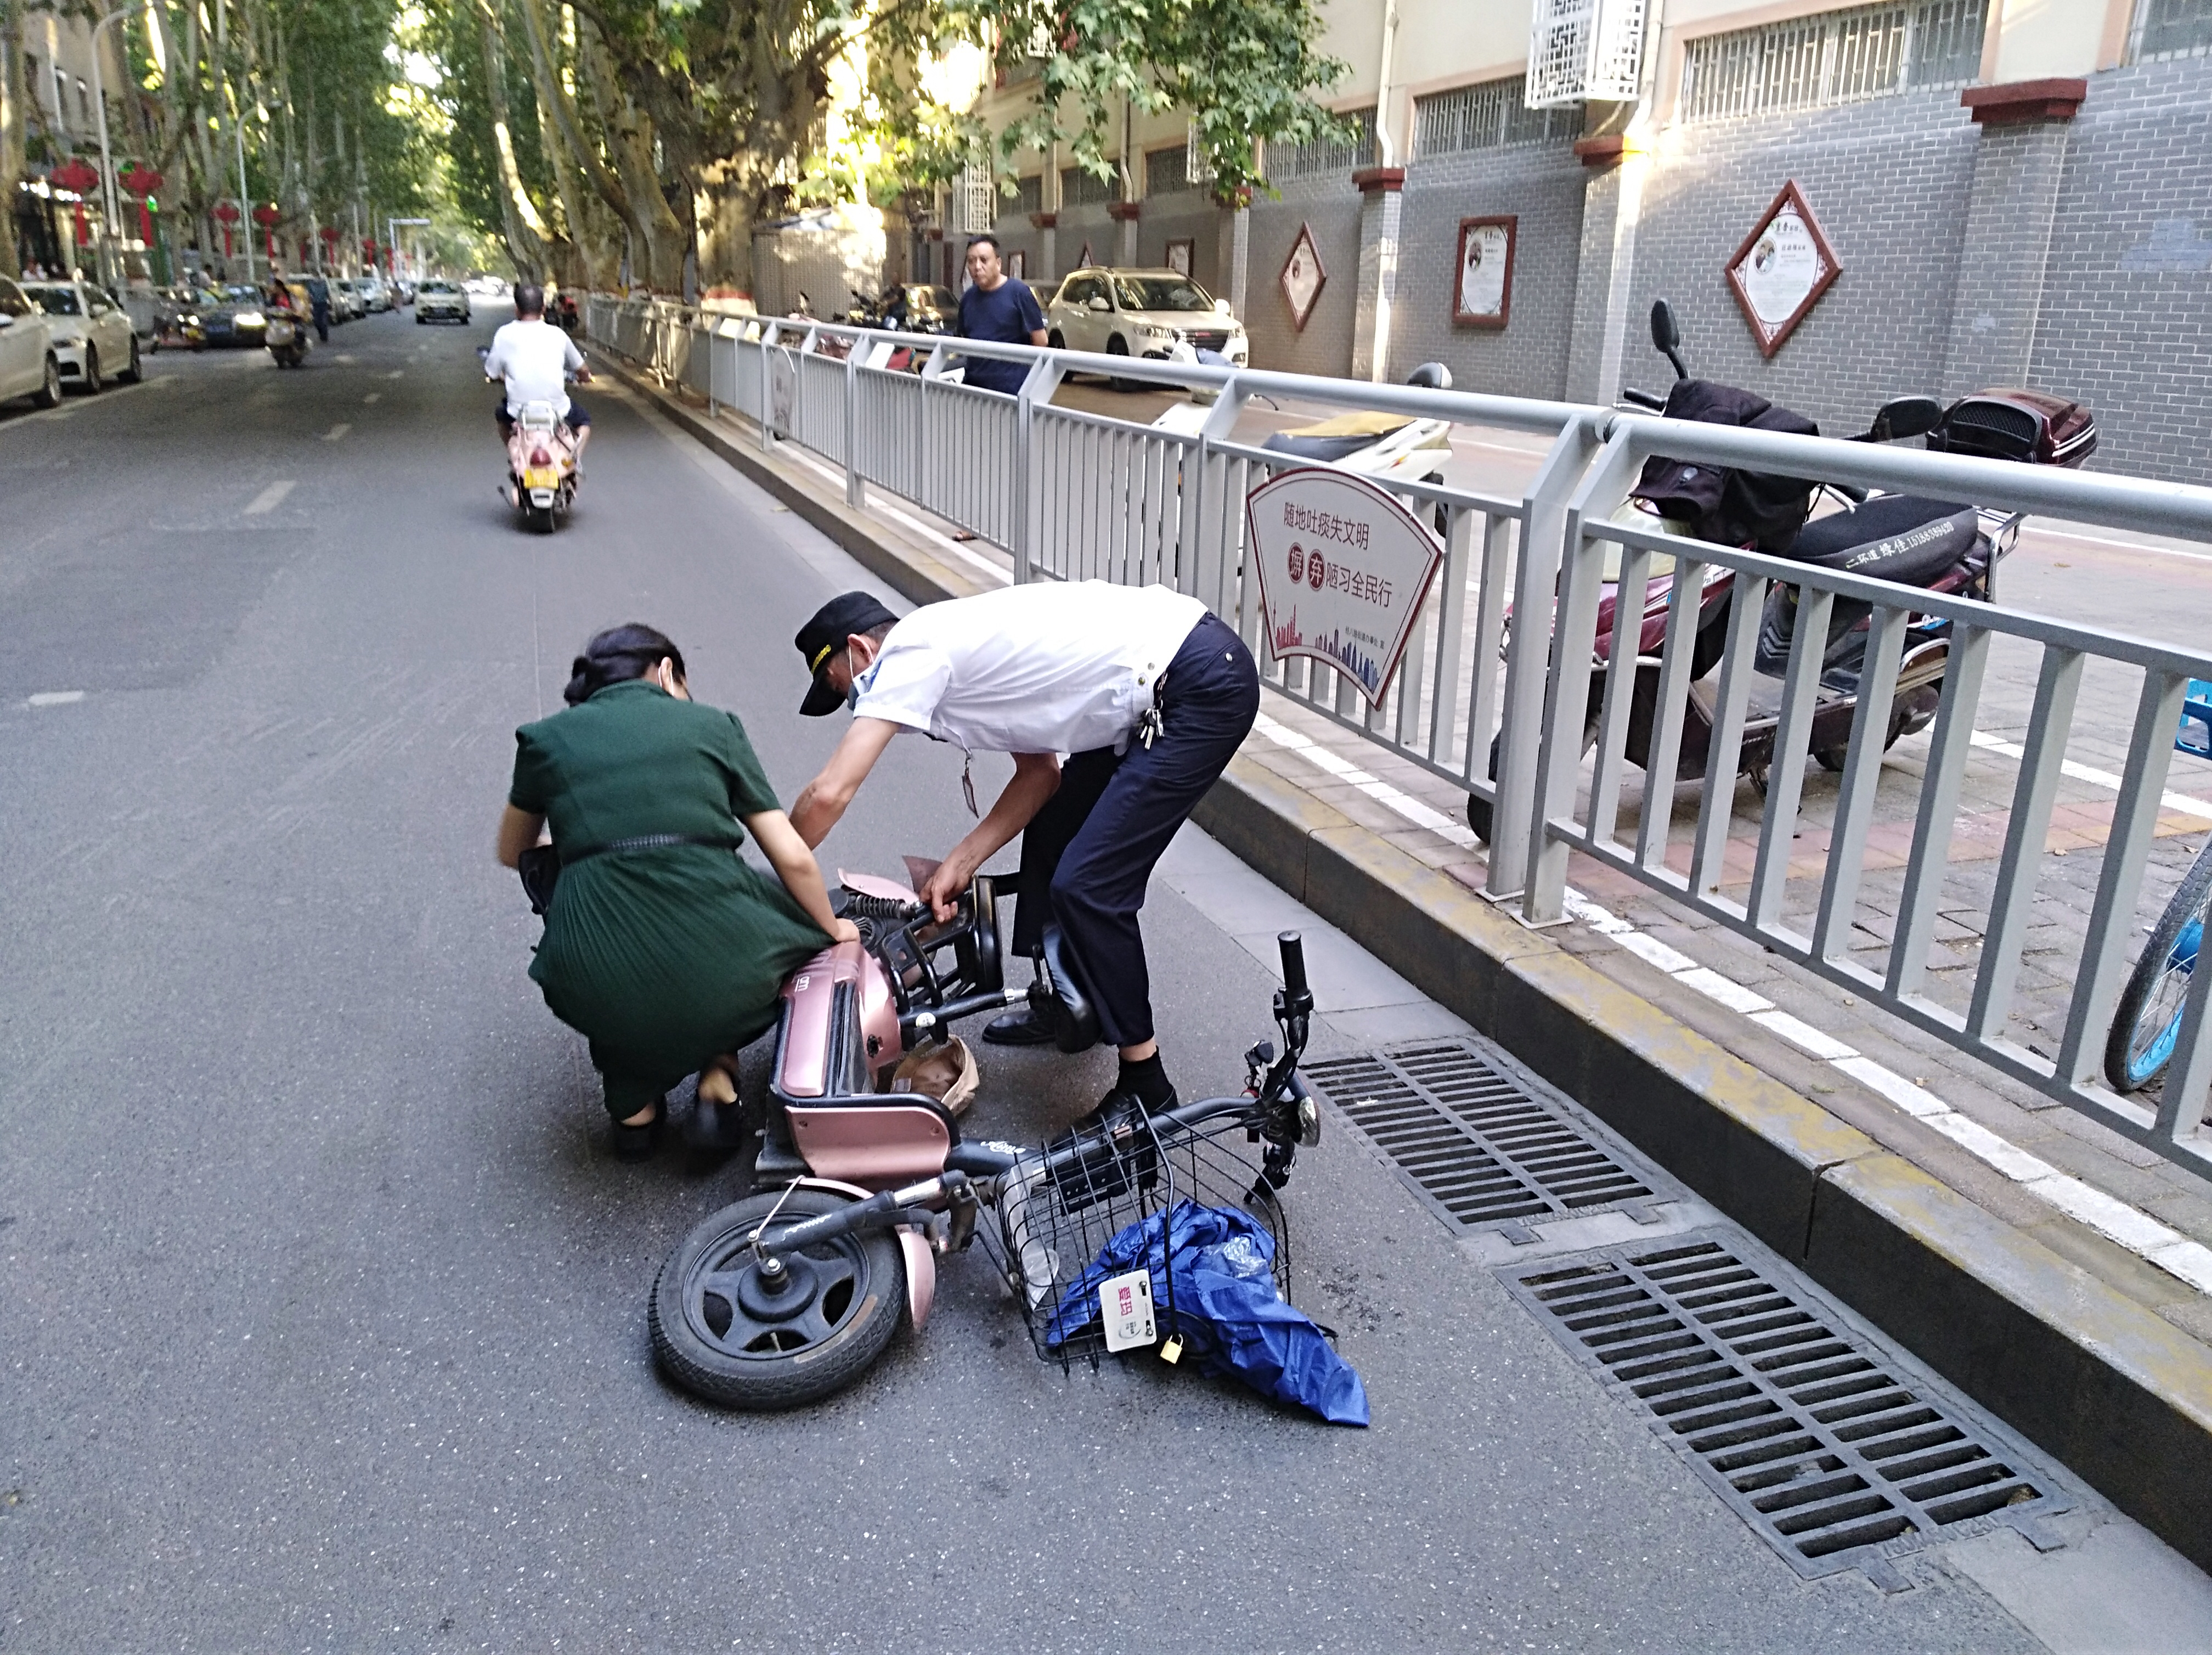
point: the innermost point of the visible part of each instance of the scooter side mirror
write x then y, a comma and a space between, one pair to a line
1667, 337
1907, 416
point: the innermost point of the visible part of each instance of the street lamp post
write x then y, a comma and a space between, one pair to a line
108, 202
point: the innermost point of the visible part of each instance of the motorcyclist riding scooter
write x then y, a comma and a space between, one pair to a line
545, 429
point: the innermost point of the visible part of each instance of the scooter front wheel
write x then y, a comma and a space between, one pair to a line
725, 1331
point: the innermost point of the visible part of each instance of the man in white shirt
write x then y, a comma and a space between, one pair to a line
1149, 694
536, 358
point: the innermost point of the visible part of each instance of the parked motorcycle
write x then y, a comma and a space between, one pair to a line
1937, 546
1389, 447
792, 1294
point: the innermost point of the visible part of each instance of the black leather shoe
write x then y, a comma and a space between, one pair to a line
637, 1143
1017, 1028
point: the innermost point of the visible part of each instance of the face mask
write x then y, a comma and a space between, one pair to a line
853, 698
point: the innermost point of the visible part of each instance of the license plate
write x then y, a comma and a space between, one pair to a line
541, 476
541, 497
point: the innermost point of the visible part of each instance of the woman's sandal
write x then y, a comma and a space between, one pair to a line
637, 1143
718, 1082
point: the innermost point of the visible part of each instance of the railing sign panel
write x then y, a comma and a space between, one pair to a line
1343, 571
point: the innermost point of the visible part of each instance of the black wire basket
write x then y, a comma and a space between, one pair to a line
1064, 1204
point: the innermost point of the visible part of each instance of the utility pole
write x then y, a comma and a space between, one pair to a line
111, 204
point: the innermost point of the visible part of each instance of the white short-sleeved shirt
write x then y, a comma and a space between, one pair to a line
1046, 667
535, 359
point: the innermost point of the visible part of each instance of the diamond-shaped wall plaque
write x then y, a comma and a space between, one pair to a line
1782, 269
1303, 278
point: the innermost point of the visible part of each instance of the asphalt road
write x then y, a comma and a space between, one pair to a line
324, 1325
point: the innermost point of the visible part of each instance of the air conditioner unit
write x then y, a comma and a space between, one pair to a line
1585, 51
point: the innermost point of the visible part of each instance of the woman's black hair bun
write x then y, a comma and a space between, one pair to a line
617, 655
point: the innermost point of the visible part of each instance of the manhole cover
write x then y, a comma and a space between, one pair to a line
1476, 1139
1821, 1443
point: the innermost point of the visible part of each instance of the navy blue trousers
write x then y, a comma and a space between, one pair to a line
1089, 854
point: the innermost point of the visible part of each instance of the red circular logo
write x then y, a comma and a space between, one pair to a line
1316, 571
1297, 562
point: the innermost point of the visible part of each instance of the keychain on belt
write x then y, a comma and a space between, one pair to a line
968, 785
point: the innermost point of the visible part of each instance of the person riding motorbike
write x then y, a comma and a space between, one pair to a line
535, 359
663, 947
1149, 691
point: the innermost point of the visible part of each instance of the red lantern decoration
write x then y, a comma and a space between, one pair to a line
226, 215
142, 180
74, 175
267, 216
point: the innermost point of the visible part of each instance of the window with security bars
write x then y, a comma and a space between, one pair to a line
1028, 195
1491, 115
2171, 28
975, 199
1584, 51
1838, 56
1167, 171
1289, 161
1078, 188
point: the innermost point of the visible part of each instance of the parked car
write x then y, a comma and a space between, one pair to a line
92, 339
375, 295
1142, 313
345, 298
28, 367
441, 300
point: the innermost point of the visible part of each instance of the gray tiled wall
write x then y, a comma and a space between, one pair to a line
1542, 185
2126, 318
1183, 215
1331, 206
1889, 180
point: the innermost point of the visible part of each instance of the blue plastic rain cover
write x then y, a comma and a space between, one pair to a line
1225, 1307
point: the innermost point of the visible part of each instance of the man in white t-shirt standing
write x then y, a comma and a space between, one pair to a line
1148, 693
535, 359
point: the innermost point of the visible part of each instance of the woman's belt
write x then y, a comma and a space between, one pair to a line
641, 842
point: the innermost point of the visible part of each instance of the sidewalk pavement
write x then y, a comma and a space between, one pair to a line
2051, 1268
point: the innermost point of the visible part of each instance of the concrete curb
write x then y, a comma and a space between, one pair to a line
2113, 1391
2116, 1393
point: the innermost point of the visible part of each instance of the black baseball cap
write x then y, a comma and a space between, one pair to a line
823, 636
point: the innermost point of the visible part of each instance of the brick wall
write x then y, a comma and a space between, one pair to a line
1542, 184
1183, 216
2125, 322
1890, 181
1331, 206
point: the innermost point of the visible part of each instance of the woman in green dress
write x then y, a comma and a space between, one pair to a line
662, 947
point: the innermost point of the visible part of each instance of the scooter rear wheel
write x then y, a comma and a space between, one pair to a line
721, 1331
2147, 1025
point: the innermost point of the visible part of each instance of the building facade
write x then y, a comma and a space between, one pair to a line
2004, 193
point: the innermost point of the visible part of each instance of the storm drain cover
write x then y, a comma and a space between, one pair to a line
1480, 1143
1835, 1455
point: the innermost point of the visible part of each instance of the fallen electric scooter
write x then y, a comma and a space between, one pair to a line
788, 1296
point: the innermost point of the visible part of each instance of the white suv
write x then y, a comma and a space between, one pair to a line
1143, 313
441, 300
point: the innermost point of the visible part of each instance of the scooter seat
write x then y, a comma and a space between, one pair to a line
1895, 537
1324, 448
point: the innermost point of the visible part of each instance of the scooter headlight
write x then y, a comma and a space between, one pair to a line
249, 318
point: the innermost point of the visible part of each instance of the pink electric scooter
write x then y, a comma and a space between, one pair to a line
791, 1295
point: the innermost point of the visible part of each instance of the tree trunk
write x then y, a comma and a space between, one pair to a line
574, 151
661, 238
525, 231
11, 129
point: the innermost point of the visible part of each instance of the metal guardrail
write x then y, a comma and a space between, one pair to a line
1071, 494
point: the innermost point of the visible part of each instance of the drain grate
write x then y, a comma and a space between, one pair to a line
1473, 1138
1834, 1457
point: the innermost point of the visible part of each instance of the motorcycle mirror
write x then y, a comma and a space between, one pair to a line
1907, 416
1667, 337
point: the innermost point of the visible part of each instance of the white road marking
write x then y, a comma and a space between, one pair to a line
2123, 545
2183, 803
2186, 1259
336, 431
268, 499
373, 396
397, 374
53, 698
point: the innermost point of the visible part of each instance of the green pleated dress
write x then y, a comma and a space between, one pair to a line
661, 957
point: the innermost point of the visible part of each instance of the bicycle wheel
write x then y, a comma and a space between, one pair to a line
2148, 1020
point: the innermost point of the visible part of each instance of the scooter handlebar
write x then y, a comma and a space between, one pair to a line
1294, 962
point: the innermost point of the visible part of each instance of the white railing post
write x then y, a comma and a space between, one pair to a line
768, 388
1515, 822
856, 487
1027, 511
